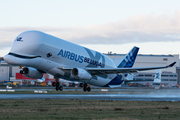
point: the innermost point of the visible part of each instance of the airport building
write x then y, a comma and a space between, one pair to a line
170, 76
8, 71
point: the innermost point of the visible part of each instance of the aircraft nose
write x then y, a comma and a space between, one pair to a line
14, 60
8, 59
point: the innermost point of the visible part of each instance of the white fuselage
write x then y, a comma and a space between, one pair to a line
49, 54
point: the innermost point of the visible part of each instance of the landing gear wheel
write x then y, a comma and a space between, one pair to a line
54, 84
61, 88
81, 85
88, 89
84, 87
57, 86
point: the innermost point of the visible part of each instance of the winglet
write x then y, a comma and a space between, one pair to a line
172, 64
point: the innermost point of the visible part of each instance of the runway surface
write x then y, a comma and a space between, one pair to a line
91, 96
113, 94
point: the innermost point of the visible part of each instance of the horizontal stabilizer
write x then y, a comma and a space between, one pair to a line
114, 86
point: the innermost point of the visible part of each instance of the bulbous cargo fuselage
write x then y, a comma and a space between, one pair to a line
48, 53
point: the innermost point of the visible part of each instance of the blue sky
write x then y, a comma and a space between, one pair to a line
103, 25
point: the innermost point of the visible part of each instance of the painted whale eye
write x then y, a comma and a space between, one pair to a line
49, 55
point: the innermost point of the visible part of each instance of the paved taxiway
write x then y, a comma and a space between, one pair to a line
132, 94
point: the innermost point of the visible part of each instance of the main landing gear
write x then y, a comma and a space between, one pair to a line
58, 84
86, 87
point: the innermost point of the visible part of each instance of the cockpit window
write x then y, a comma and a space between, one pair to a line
22, 56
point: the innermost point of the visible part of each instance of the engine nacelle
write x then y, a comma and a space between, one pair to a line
31, 73
80, 74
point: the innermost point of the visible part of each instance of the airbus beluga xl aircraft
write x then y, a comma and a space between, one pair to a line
41, 53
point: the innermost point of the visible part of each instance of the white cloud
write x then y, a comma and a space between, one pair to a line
141, 28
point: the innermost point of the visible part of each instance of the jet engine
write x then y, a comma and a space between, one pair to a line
81, 74
31, 73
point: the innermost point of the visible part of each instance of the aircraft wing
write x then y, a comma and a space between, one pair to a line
97, 71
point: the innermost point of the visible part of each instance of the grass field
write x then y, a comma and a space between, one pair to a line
52, 109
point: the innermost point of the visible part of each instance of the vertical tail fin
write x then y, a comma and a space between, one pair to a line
129, 59
157, 78
124, 62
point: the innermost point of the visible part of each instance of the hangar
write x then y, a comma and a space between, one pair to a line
169, 76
